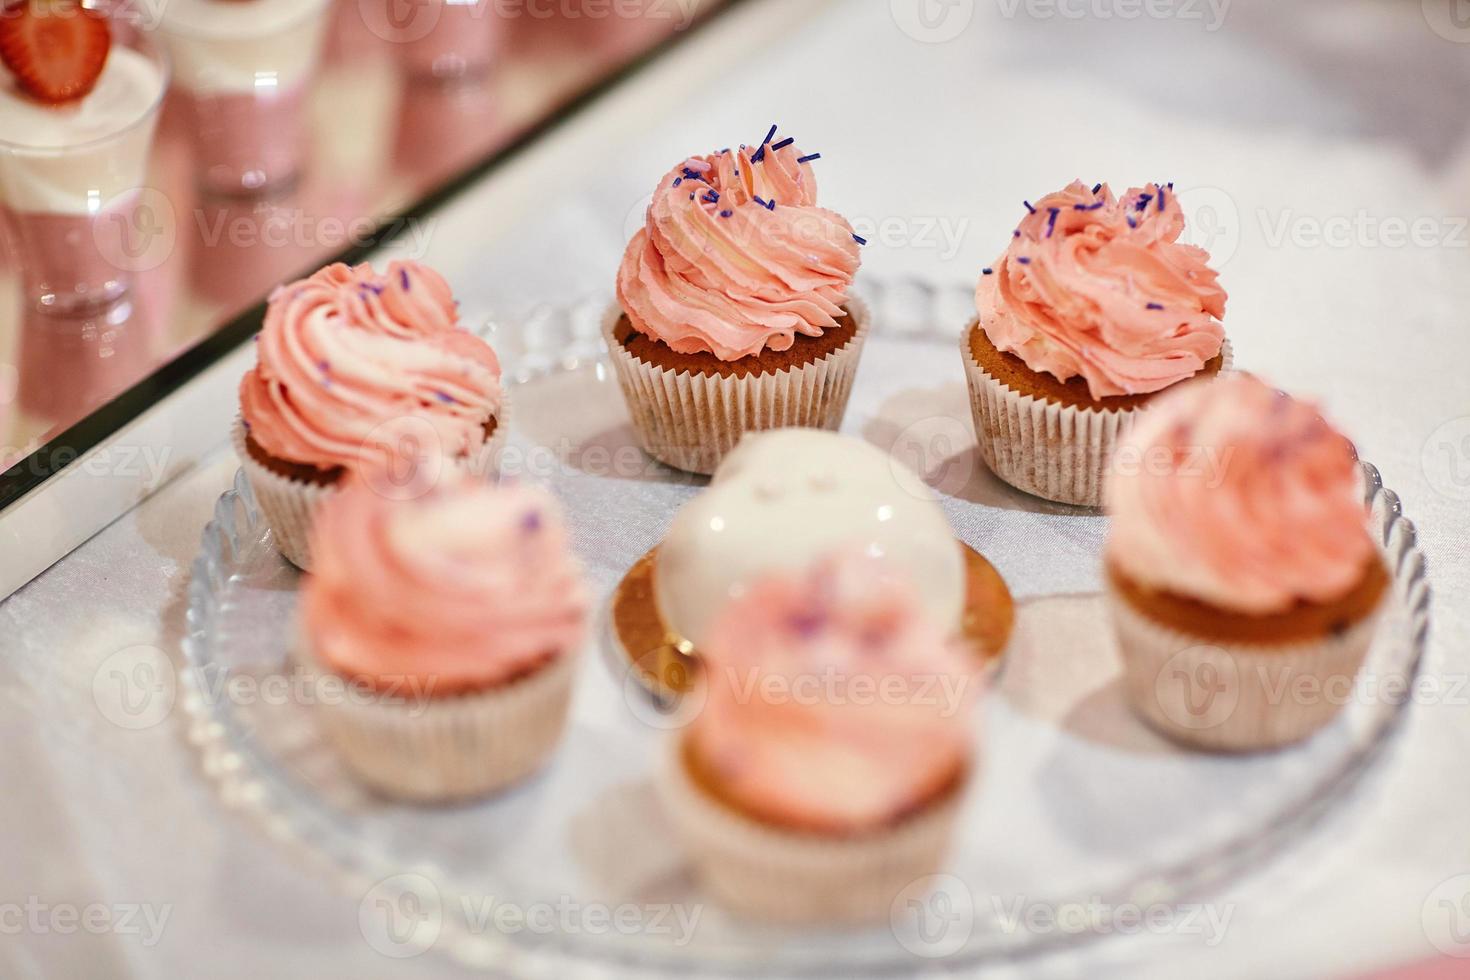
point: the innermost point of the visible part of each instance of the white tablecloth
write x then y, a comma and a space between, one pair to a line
1308, 139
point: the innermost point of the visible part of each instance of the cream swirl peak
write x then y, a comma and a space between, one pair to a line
463, 587
1101, 287
834, 703
1237, 495
349, 362
735, 257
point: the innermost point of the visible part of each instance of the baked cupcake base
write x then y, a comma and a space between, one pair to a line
289, 494
689, 410
1222, 682
436, 750
1046, 437
668, 667
768, 872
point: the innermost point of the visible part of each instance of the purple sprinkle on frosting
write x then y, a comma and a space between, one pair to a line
1023, 260
784, 143
531, 523
1029, 207
808, 624
726, 214
769, 136
1096, 188
1143, 200
809, 158
1051, 221
987, 272
1156, 306
1163, 194
1132, 221
444, 397
403, 280
860, 239
678, 181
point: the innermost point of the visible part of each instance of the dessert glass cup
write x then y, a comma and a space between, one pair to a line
244, 71
447, 38
73, 210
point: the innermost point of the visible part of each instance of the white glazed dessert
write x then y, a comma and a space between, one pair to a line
222, 47
80, 157
785, 498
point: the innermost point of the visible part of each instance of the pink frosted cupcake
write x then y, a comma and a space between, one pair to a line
1244, 581
359, 369
733, 312
824, 773
1093, 309
457, 617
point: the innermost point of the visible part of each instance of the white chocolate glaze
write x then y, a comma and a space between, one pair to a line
786, 498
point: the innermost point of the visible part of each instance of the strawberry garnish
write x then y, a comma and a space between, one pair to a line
55, 48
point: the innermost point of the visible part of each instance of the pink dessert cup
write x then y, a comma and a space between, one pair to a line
449, 39
249, 143
71, 211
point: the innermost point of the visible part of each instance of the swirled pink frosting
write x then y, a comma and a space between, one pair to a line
833, 704
1238, 495
464, 587
347, 355
1101, 287
716, 269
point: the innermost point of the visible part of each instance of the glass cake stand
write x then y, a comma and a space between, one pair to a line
1080, 811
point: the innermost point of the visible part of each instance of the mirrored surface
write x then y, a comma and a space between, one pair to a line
282, 140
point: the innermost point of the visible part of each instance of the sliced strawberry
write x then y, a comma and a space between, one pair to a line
56, 48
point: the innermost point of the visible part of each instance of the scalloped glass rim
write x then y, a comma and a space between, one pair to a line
245, 778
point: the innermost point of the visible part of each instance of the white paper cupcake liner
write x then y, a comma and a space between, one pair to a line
290, 506
434, 750
763, 872
1057, 452
690, 421
1235, 697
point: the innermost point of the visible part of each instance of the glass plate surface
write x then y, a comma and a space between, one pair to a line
1081, 818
